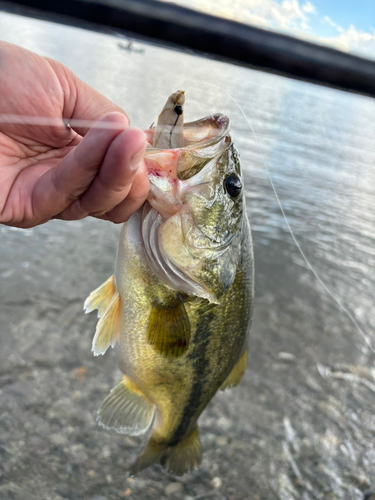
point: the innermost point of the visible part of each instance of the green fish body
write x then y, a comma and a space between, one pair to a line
178, 308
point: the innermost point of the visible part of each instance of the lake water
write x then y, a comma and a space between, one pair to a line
301, 424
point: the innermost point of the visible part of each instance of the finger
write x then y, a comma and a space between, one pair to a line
68, 180
134, 200
114, 179
80, 100
149, 135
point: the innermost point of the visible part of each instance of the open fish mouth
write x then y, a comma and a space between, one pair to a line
203, 140
189, 219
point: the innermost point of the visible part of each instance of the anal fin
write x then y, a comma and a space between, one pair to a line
126, 409
107, 329
169, 328
235, 376
101, 297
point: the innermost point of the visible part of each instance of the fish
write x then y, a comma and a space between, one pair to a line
178, 308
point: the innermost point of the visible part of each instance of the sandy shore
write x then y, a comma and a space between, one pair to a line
300, 425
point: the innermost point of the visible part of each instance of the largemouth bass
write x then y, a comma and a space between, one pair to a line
178, 307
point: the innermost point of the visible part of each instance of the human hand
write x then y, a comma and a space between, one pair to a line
59, 172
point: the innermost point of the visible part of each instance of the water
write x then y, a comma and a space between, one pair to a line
301, 424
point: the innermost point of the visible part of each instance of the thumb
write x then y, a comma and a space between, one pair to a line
62, 185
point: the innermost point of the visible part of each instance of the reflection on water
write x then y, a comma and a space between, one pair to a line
301, 425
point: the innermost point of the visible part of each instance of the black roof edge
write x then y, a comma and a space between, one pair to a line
173, 26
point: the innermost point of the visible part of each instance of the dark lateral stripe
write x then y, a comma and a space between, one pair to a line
198, 359
211, 36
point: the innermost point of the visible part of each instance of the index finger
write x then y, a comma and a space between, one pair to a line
81, 101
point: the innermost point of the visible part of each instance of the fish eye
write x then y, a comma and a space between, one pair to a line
233, 185
178, 110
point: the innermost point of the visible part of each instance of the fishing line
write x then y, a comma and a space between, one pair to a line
45, 121
363, 334
13, 119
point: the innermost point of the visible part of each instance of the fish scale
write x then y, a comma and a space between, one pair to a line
178, 308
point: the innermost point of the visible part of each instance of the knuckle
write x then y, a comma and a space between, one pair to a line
114, 220
98, 213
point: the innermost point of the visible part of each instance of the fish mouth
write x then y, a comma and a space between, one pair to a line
172, 171
203, 139
177, 175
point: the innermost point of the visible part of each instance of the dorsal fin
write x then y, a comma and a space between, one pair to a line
235, 376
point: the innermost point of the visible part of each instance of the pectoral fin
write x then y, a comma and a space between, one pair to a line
126, 409
235, 376
169, 328
107, 329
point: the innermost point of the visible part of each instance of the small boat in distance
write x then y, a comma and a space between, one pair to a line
128, 45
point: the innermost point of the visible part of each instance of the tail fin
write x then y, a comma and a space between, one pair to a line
152, 453
183, 457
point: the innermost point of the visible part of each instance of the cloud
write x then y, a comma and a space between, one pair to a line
287, 15
292, 17
328, 20
309, 8
351, 39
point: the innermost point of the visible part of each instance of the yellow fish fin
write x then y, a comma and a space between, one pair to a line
107, 329
169, 328
235, 376
184, 456
126, 409
101, 297
152, 453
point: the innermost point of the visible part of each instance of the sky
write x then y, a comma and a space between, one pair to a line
347, 25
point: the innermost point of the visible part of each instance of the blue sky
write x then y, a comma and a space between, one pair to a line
347, 25
359, 13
